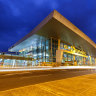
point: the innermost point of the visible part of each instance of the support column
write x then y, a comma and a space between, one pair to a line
51, 51
90, 61
58, 44
84, 59
45, 50
59, 54
74, 61
95, 61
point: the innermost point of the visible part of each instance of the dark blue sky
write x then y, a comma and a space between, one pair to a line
19, 17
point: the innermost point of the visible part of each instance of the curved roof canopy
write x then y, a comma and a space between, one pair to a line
57, 26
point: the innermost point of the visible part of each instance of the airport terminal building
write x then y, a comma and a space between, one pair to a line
57, 40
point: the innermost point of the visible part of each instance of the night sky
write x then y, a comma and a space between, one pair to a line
19, 17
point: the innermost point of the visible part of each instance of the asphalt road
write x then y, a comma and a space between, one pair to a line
19, 79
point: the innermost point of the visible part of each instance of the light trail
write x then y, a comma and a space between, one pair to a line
47, 68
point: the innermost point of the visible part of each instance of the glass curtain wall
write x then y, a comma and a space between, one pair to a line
41, 50
67, 57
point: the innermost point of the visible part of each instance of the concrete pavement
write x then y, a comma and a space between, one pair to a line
48, 83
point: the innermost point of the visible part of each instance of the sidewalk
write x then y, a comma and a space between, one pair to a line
76, 86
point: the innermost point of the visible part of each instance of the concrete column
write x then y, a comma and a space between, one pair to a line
74, 61
95, 61
74, 57
90, 60
51, 51
84, 59
58, 44
59, 54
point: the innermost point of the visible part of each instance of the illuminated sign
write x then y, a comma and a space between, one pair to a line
74, 50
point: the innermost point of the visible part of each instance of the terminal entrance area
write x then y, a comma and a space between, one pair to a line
45, 51
71, 60
72, 56
76, 60
67, 58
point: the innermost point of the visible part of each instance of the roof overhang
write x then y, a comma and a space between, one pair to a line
57, 26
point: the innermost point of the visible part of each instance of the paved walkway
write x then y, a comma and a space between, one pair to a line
75, 86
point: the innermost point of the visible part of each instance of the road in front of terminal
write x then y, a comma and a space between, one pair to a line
48, 83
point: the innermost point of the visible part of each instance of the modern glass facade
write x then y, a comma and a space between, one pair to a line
54, 40
43, 49
84, 59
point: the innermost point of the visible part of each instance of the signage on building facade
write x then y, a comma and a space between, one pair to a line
74, 50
